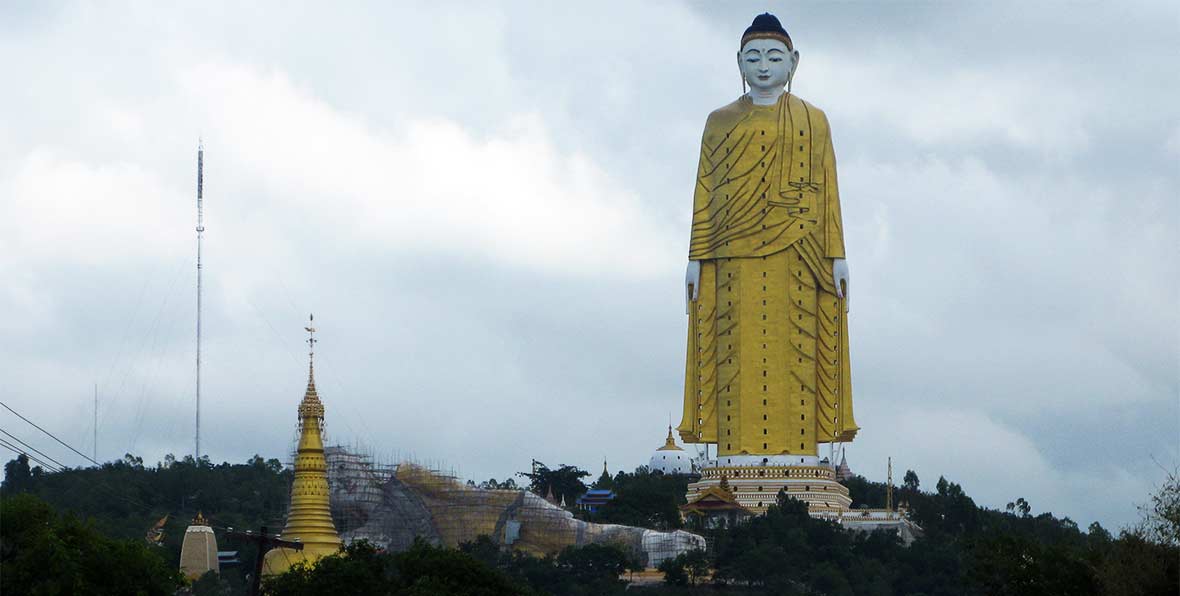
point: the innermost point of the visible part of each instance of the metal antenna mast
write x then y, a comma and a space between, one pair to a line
200, 235
95, 454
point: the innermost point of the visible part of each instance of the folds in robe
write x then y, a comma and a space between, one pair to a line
767, 178
767, 362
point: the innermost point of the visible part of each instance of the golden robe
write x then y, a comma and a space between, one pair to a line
767, 366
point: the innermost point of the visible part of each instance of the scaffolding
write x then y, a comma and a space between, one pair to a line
392, 505
355, 481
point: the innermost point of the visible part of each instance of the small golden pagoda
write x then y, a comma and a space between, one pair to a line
670, 443
309, 519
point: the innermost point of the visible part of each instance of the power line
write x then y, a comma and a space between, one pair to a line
10, 447
108, 490
3, 443
19, 451
59, 464
67, 446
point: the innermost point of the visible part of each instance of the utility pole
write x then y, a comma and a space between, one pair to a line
265, 542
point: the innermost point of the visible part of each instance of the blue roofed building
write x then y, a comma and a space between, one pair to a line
594, 499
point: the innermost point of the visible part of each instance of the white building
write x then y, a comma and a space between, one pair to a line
670, 459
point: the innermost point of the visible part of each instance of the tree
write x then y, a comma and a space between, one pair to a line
696, 564
1133, 565
590, 570
594, 565
491, 484
1006, 565
635, 564
948, 510
565, 481
645, 500
124, 498
133, 461
17, 474
211, 584
865, 493
604, 482
674, 571
1023, 507
1099, 534
42, 552
910, 481
362, 570
1161, 515
420, 571
831, 580
966, 549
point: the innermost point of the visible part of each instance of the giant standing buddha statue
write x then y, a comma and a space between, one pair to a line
767, 376
309, 519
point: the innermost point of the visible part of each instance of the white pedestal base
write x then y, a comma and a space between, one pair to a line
756, 487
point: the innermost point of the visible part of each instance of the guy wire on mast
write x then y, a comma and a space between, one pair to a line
200, 234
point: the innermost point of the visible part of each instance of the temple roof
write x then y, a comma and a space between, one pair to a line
670, 443
596, 496
843, 472
714, 498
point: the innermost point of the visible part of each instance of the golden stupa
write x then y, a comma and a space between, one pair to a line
309, 519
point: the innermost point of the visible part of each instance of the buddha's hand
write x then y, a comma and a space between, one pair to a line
692, 284
840, 276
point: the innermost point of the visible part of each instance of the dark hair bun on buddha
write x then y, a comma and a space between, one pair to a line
766, 26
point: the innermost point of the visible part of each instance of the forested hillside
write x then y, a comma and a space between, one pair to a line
125, 498
966, 549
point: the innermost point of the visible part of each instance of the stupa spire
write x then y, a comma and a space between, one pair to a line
309, 519
311, 406
843, 472
670, 442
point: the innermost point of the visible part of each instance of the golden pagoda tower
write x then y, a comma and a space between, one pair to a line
309, 519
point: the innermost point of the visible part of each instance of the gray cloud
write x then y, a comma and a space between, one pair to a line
487, 207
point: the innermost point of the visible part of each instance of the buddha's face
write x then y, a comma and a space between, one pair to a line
767, 63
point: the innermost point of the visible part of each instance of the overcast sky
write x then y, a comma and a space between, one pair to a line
487, 209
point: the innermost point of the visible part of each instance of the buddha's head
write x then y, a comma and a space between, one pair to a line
767, 58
